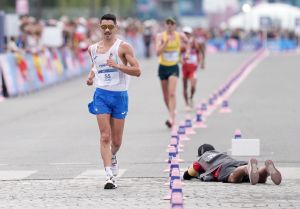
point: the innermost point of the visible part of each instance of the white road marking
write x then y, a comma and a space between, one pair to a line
95, 174
15, 174
70, 163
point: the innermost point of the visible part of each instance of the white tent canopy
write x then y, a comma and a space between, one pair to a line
282, 16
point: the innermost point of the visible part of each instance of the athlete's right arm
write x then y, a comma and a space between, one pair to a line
91, 75
160, 44
90, 78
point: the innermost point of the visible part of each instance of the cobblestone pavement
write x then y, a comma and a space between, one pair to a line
48, 140
143, 193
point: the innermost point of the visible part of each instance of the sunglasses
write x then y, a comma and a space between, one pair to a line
170, 23
109, 27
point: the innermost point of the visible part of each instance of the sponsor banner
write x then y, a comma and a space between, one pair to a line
2, 30
1, 87
24, 73
9, 76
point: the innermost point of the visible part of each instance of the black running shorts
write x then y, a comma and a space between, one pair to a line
164, 72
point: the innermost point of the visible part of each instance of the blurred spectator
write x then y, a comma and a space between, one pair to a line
12, 46
79, 33
148, 37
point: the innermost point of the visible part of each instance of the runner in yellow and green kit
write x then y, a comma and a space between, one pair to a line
168, 46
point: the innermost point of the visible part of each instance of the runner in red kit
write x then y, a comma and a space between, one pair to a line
192, 56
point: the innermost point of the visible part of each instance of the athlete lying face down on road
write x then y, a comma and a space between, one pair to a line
216, 166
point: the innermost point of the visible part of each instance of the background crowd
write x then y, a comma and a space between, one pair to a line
79, 33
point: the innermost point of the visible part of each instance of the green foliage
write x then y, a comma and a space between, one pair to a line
74, 8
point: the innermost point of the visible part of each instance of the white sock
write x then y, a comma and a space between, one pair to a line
108, 171
113, 156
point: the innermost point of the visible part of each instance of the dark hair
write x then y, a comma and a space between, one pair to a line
204, 148
109, 17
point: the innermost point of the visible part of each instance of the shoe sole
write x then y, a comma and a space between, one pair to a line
110, 185
253, 171
274, 173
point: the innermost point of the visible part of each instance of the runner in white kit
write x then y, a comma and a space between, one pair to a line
113, 62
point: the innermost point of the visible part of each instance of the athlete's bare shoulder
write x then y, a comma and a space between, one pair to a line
92, 46
183, 36
90, 49
125, 47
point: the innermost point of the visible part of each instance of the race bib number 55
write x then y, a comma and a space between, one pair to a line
108, 77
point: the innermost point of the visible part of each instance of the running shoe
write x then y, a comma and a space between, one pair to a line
253, 171
110, 183
114, 166
273, 172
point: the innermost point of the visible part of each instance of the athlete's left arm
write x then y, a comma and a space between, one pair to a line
134, 67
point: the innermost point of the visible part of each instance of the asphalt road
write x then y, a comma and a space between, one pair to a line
49, 136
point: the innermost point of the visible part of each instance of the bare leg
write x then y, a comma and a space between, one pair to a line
172, 97
105, 138
263, 175
116, 133
193, 87
185, 91
251, 170
238, 174
164, 87
193, 90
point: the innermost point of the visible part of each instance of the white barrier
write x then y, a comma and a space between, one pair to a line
245, 147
